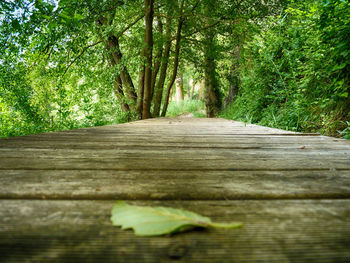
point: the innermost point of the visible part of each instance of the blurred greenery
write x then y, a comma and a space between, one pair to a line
196, 107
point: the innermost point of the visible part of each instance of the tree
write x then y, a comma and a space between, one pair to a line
176, 58
116, 51
164, 64
147, 52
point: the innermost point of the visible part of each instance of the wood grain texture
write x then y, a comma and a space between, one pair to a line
173, 185
181, 153
290, 190
175, 164
273, 231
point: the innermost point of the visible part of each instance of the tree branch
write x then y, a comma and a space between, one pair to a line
195, 6
201, 29
81, 53
129, 26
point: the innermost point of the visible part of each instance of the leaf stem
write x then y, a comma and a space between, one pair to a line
226, 225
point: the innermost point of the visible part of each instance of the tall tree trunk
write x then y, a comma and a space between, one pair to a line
157, 58
212, 93
114, 48
179, 87
146, 113
124, 79
140, 91
118, 89
233, 80
201, 95
176, 60
192, 89
160, 84
188, 90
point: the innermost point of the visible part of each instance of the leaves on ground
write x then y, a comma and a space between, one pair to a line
155, 221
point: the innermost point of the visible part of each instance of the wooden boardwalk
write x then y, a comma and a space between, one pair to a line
291, 191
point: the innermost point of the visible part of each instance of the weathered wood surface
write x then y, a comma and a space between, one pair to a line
274, 231
291, 191
173, 185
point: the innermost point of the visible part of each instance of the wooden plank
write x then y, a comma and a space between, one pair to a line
162, 152
206, 124
164, 137
123, 145
112, 142
174, 164
168, 127
178, 122
171, 185
273, 231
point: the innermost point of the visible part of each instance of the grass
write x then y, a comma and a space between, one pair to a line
196, 107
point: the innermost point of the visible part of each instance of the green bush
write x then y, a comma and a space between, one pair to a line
295, 74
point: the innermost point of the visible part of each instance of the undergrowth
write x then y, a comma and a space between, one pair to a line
196, 107
295, 74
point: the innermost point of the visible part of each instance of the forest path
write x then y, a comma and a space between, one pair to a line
290, 190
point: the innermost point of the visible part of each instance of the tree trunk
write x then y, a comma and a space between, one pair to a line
234, 83
146, 113
176, 60
188, 90
201, 95
164, 68
157, 58
113, 46
118, 87
140, 91
118, 90
179, 87
212, 93
192, 90
234, 77
124, 79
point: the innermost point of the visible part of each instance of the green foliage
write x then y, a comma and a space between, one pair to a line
61, 61
37, 100
346, 132
295, 74
41, 89
196, 107
155, 221
199, 114
17, 114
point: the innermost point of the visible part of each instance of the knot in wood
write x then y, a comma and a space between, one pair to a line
177, 251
